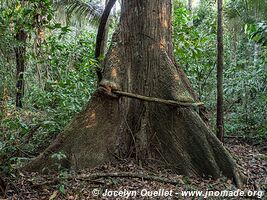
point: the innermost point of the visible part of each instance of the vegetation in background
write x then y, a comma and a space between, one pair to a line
59, 78
245, 63
60, 72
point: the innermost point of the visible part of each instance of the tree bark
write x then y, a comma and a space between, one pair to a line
20, 53
39, 20
3, 187
111, 127
103, 44
220, 66
203, 113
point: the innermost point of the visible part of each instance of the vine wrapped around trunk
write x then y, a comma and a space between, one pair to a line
139, 61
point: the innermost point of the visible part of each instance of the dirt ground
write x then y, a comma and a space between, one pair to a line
136, 182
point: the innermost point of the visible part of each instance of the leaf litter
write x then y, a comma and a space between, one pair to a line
80, 185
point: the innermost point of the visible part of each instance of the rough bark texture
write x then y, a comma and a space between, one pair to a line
219, 121
203, 113
112, 127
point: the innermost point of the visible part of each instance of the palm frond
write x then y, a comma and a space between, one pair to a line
90, 10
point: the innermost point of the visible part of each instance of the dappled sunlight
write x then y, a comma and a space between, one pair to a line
114, 72
163, 43
165, 24
132, 97
176, 77
91, 120
163, 18
93, 116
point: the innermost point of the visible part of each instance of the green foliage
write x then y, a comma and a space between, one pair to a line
246, 96
91, 10
245, 72
69, 73
68, 79
247, 11
60, 71
245, 85
59, 77
17, 14
257, 32
194, 48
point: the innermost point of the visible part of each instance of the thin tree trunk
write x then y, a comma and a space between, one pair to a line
220, 60
256, 53
190, 5
20, 53
40, 36
102, 34
235, 32
105, 39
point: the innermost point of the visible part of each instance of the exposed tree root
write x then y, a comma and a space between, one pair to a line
111, 127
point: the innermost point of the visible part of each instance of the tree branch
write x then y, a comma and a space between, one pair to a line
101, 33
181, 102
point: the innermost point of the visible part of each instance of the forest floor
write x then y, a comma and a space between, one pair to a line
91, 183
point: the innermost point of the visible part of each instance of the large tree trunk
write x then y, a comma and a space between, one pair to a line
113, 127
